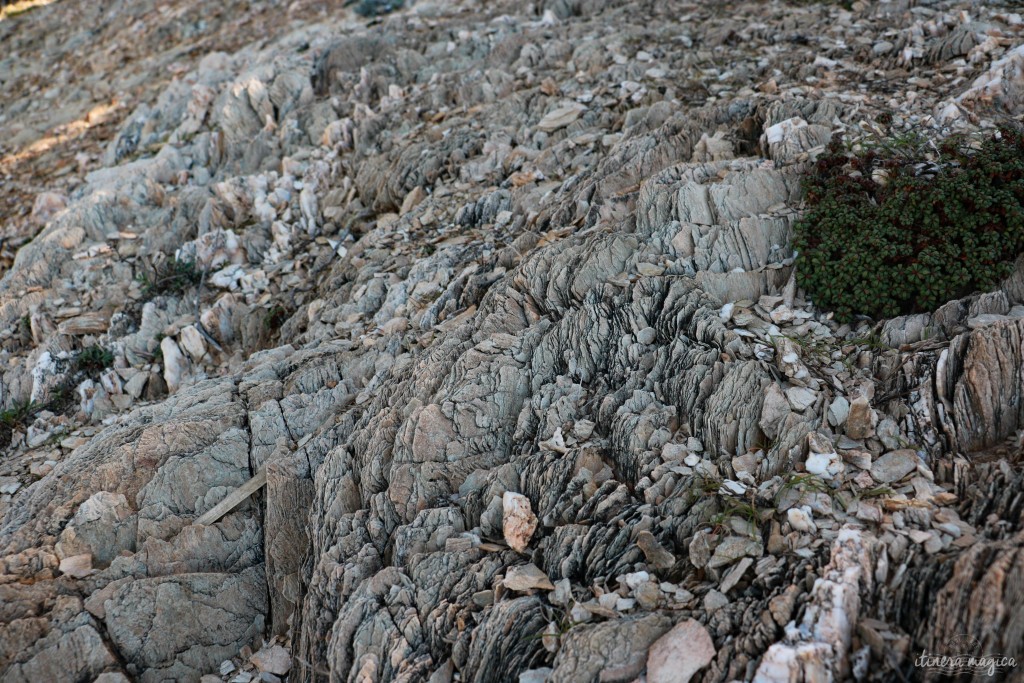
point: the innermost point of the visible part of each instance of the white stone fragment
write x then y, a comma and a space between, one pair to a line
175, 364
800, 519
801, 398
560, 117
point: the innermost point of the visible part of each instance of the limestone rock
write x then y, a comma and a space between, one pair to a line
527, 576
861, 419
1003, 82
657, 556
411, 269
560, 117
680, 653
614, 651
47, 205
175, 364
101, 527
894, 465
518, 521
275, 660
77, 566
167, 639
112, 678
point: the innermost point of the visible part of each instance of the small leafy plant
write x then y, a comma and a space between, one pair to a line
802, 483
845, 4
892, 228
88, 363
16, 414
739, 508
169, 277
93, 360
274, 317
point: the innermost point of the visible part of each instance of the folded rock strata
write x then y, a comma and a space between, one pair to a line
459, 255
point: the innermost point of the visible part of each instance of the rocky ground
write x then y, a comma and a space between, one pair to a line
483, 316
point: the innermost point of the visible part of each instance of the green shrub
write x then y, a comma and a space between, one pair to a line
17, 414
891, 230
89, 363
92, 360
169, 277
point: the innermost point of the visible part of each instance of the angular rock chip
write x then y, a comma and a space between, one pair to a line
518, 521
894, 465
560, 118
526, 576
680, 653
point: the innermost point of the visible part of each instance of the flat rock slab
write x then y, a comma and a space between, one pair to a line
680, 653
894, 465
613, 651
526, 576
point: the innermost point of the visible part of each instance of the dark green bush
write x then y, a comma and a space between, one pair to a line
891, 230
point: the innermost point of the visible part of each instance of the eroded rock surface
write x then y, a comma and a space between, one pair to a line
477, 251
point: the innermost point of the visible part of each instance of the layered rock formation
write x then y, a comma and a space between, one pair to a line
500, 300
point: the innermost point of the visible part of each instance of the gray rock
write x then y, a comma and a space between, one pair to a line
715, 600
888, 432
657, 556
451, 256
775, 410
614, 650
184, 625
540, 675
102, 526
801, 398
733, 548
894, 465
680, 653
861, 420
838, 411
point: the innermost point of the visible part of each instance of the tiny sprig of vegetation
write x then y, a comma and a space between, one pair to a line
876, 492
274, 317
88, 363
17, 414
562, 621
739, 508
729, 505
901, 225
93, 360
169, 277
13, 417
802, 483
373, 8
845, 4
